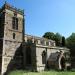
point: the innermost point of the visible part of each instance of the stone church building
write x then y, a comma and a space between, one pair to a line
21, 51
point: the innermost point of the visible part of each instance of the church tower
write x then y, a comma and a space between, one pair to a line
11, 37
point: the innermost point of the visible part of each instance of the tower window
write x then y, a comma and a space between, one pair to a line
15, 23
13, 35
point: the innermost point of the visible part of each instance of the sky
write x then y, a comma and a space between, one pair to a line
47, 16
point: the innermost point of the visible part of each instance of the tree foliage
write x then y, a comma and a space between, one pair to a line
70, 43
56, 37
63, 41
49, 35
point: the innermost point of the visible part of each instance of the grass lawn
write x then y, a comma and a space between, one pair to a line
42, 73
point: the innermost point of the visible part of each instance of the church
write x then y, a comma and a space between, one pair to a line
22, 51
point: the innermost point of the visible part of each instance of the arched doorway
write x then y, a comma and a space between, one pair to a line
61, 61
44, 57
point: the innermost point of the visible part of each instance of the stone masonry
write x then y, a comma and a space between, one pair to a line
12, 38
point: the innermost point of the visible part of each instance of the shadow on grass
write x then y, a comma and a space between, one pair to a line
23, 72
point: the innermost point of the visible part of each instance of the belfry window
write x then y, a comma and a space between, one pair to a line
15, 23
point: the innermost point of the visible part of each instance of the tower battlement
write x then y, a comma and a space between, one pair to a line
12, 8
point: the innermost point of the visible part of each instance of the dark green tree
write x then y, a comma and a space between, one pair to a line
70, 43
56, 37
63, 41
49, 35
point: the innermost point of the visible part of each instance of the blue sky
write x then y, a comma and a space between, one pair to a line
47, 15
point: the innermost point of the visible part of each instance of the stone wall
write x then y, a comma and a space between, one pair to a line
12, 56
40, 65
51, 57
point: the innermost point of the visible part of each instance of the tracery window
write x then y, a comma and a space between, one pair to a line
15, 23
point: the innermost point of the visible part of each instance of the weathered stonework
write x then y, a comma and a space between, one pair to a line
11, 49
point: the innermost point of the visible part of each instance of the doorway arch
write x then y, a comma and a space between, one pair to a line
61, 62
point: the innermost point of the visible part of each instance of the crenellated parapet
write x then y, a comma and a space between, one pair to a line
39, 40
12, 8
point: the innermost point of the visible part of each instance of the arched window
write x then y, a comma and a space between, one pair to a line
44, 57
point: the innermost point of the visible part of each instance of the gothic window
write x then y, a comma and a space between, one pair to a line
13, 35
15, 23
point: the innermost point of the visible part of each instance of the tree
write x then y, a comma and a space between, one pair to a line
63, 41
70, 43
56, 37
49, 35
